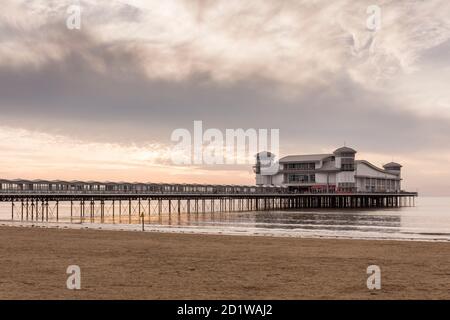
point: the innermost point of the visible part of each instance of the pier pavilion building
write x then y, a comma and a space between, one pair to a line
335, 172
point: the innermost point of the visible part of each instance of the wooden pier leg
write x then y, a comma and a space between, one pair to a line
149, 211
120, 211
129, 211
113, 211
46, 212
179, 210
170, 212
102, 211
57, 210
92, 211
12, 210
36, 206
159, 207
71, 210
139, 209
21, 210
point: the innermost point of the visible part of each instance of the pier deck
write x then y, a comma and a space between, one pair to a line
104, 202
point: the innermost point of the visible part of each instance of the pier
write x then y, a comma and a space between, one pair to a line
108, 202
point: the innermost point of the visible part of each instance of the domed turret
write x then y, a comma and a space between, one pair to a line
393, 167
344, 151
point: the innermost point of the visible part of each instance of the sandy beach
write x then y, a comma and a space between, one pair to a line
134, 265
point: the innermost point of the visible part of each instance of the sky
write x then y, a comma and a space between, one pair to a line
101, 102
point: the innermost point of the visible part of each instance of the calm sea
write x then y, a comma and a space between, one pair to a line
428, 220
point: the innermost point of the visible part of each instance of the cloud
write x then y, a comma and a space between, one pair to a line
289, 42
137, 70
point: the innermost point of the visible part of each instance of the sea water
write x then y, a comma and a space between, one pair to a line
428, 220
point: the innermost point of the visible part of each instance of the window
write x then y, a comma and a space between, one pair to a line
347, 154
346, 186
347, 164
301, 178
301, 166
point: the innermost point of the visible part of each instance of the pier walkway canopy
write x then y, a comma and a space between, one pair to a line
81, 187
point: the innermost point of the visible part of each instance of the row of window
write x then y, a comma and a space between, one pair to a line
347, 167
347, 164
346, 184
301, 178
347, 154
300, 166
389, 183
132, 188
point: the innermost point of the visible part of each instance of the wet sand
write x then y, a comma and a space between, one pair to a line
134, 265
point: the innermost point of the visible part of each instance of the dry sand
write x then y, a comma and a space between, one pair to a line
133, 265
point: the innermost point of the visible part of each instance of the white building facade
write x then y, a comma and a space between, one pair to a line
335, 172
